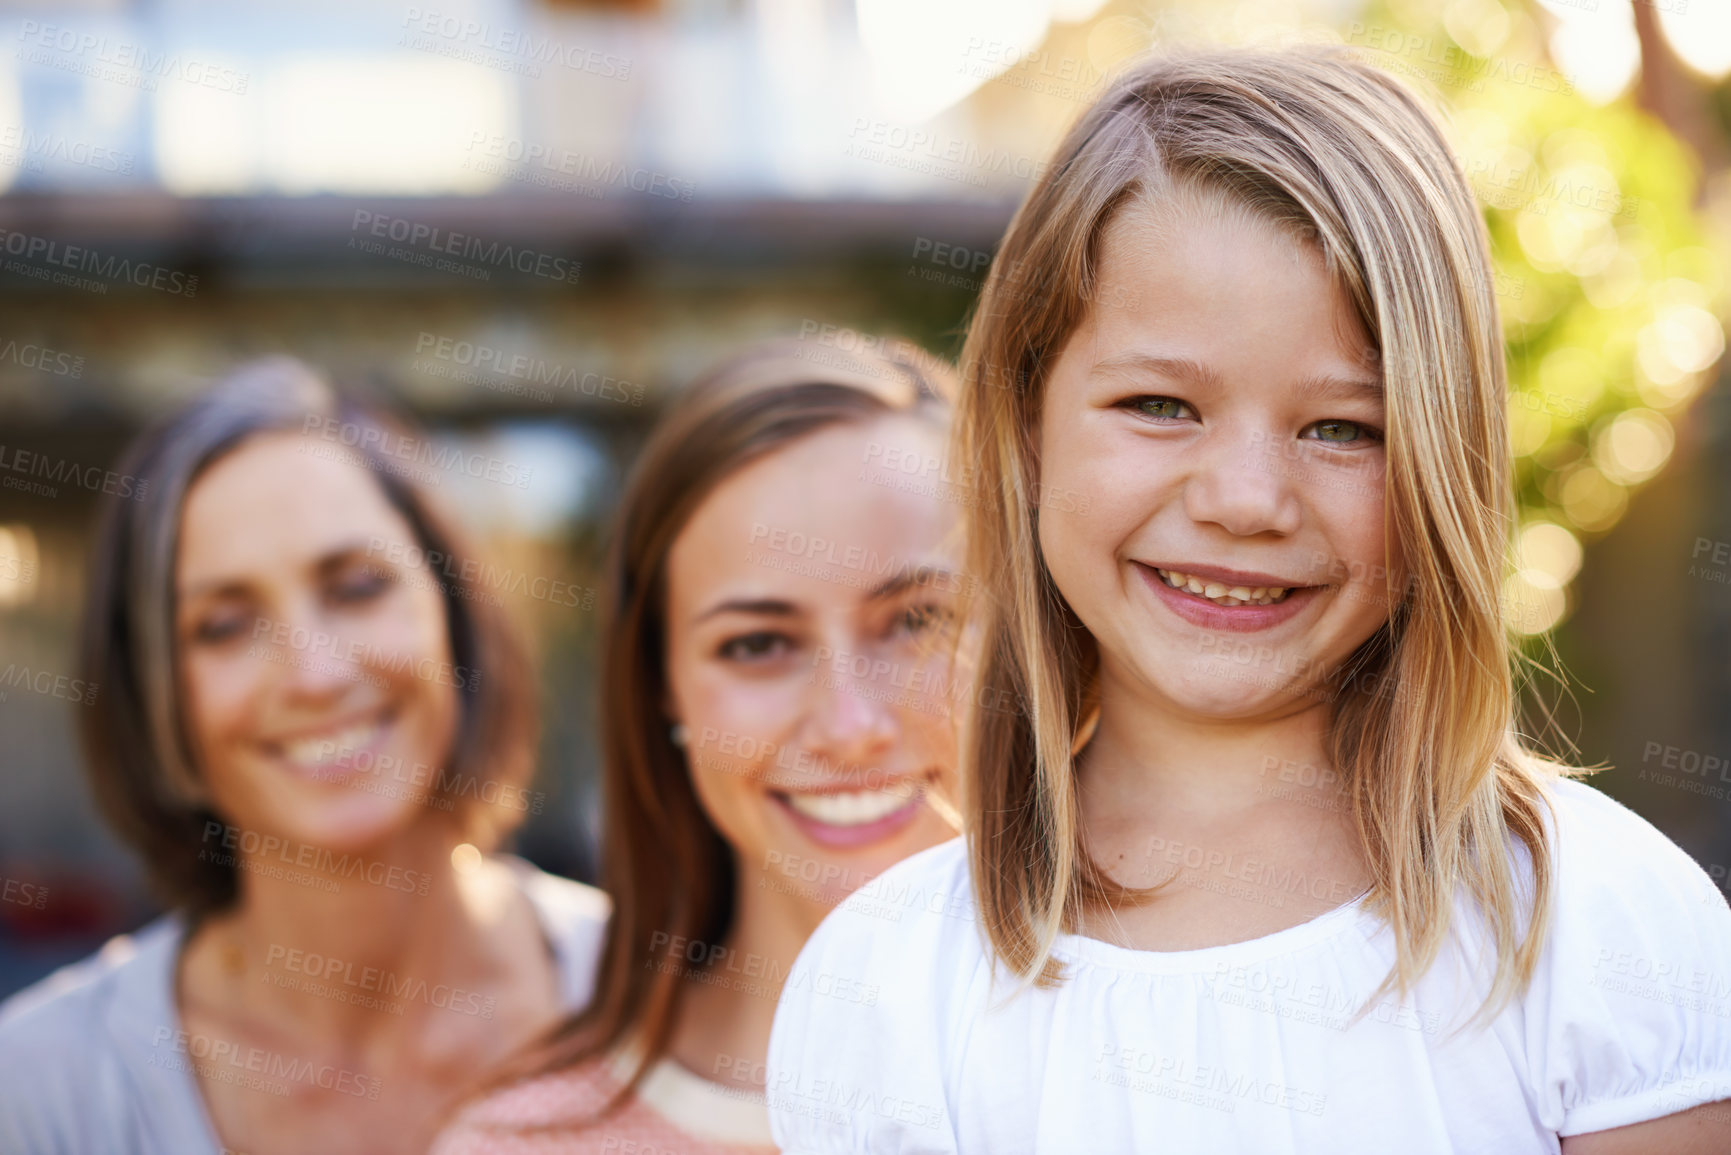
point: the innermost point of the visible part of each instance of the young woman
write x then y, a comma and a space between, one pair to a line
776, 722
1264, 865
311, 728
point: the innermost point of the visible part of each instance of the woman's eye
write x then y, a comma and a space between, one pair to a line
1162, 408
1344, 432
361, 585
215, 630
755, 647
917, 620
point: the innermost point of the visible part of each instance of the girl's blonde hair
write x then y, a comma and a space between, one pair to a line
1341, 157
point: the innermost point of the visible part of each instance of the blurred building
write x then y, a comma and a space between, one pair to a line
528, 224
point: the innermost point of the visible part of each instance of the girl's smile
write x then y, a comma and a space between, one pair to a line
1222, 599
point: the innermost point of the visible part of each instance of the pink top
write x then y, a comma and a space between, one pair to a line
674, 1112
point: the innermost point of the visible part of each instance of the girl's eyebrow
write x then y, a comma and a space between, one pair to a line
1311, 387
1177, 368
1328, 387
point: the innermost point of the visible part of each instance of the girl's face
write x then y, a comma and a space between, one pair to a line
313, 663
808, 599
1211, 463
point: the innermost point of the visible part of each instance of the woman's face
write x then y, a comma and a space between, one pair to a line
1218, 422
808, 604
315, 666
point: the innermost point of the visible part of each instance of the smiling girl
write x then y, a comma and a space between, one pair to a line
1264, 865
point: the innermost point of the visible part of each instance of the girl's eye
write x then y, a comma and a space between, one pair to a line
1344, 432
756, 646
1162, 408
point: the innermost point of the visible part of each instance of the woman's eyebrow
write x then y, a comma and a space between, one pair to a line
774, 607
911, 578
325, 564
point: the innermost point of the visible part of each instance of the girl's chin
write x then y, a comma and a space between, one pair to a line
1227, 698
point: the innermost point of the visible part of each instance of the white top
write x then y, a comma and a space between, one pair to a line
706, 1109
90, 1059
890, 1035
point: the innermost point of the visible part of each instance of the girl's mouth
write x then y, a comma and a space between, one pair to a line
1217, 604
1220, 593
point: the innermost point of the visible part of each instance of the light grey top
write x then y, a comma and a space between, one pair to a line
92, 1058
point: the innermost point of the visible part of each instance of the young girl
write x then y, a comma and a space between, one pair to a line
777, 730
1257, 862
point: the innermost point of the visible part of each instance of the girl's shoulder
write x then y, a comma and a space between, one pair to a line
922, 908
1617, 871
1628, 1016
871, 1015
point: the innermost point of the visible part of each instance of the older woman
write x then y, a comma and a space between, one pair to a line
311, 729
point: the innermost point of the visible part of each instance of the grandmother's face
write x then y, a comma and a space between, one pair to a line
320, 699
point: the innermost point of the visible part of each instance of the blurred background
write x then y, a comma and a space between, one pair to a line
528, 223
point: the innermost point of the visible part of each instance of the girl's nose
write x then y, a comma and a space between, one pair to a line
1246, 489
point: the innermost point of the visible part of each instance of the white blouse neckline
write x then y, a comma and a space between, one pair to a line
1335, 920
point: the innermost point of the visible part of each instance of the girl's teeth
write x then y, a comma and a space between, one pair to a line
853, 808
1224, 595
